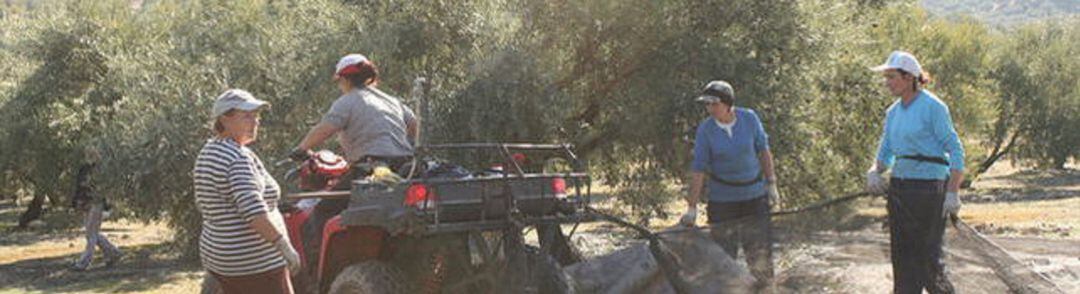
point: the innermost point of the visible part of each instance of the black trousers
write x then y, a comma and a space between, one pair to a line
916, 235
746, 223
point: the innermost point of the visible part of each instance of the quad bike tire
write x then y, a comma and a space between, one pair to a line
370, 277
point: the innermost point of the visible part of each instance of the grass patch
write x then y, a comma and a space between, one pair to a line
1055, 218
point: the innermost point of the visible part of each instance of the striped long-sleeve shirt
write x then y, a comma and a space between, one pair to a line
231, 188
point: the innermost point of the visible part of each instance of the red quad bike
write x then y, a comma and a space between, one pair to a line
445, 228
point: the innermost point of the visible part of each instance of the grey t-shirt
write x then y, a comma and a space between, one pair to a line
372, 123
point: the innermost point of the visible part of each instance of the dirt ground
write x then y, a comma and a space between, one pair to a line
1032, 214
36, 261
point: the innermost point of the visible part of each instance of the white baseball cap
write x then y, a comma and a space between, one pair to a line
236, 99
348, 60
901, 60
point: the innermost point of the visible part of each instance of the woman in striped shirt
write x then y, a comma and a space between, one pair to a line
243, 242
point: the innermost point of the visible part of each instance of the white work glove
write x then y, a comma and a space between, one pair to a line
287, 251
951, 205
875, 183
690, 217
773, 192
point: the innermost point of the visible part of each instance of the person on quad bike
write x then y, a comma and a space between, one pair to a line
374, 129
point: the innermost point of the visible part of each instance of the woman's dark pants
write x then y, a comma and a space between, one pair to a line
745, 223
916, 232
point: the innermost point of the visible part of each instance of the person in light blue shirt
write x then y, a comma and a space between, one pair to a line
921, 126
924, 151
731, 155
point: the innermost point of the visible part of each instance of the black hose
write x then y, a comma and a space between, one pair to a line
816, 206
824, 204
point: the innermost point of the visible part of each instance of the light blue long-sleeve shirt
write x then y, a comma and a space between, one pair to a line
923, 127
731, 157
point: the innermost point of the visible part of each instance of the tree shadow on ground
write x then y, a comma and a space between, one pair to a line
55, 225
142, 268
1016, 195
11, 235
1046, 178
1027, 185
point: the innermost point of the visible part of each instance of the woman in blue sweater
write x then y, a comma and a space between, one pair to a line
921, 146
731, 154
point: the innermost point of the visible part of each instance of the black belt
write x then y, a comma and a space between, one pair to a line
924, 158
390, 160
736, 183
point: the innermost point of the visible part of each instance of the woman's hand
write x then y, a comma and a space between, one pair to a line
774, 193
299, 155
875, 183
287, 251
276, 234
689, 218
952, 204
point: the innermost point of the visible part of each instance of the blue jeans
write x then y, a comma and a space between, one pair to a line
94, 238
916, 235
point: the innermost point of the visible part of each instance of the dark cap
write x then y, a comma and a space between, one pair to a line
717, 91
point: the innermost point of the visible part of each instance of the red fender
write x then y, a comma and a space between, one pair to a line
342, 246
333, 226
294, 223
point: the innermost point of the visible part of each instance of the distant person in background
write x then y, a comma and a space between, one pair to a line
94, 207
731, 154
243, 243
929, 166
